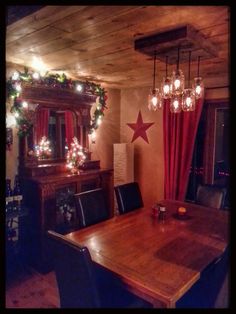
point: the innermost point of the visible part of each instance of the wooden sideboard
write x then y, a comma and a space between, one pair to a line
45, 197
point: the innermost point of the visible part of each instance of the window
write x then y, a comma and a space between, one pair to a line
210, 163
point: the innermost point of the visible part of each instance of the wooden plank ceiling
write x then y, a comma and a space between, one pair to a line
96, 43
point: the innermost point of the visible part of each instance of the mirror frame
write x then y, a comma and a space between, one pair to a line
46, 97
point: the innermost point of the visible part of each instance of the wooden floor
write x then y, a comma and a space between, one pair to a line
30, 289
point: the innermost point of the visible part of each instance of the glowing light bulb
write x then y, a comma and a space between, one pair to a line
18, 87
154, 101
24, 104
15, 76
166, 89
36, 75
79, 87
176, 104
38, 64
16, 114
198, 90
99, 121
177, 83
188, 101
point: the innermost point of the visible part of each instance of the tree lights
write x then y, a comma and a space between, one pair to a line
43, 150
75, 156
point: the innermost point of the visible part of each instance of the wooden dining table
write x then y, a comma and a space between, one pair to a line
158, 260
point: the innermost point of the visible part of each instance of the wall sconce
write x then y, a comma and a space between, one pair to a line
93, 137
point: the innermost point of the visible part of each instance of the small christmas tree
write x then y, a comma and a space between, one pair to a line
75, 155
43, 150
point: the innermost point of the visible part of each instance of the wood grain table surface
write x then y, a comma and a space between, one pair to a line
158, 260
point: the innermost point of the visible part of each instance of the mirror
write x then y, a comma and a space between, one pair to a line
53, 130
58, 126
56, 134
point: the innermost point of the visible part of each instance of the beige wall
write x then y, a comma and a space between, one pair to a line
148, 157
108, 132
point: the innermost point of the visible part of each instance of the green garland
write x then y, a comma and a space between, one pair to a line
23, 117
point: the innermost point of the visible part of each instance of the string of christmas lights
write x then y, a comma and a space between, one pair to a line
20, 109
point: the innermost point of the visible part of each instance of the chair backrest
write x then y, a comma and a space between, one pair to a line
84, 284
74, 273
128, 197
211, 196
91, 207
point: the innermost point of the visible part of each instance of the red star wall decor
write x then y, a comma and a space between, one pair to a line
140, 128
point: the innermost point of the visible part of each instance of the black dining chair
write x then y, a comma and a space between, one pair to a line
204, 293
211, 196
81, 283
128, 197
91, 207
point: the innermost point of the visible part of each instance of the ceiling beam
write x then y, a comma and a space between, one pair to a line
166, 43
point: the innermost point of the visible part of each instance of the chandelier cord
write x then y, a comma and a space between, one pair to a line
178, 59
166, 64
198, 66
154, 71
189, 63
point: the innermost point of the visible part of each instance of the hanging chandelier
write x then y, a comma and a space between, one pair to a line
173, 89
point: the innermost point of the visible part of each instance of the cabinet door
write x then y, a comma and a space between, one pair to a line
66, 216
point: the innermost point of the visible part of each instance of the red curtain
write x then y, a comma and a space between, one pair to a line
179, 131
69, 125
41, 124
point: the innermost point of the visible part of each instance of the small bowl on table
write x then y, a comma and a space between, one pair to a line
181, 214
182, 211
